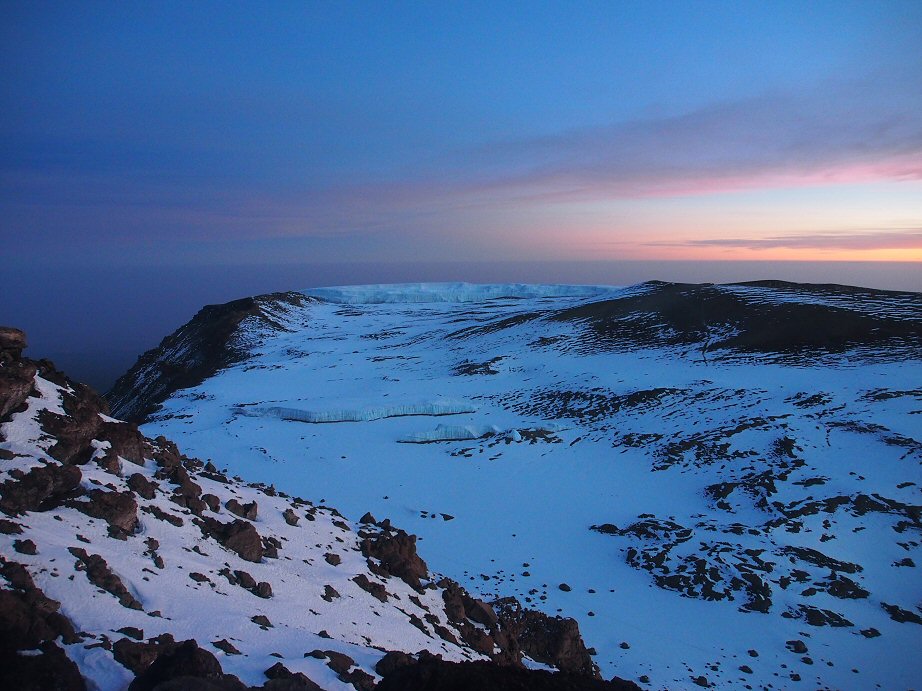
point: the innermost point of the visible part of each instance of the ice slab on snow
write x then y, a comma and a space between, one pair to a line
447, 292
451, 433
359, 414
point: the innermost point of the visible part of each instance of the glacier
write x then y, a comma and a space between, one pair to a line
377, 294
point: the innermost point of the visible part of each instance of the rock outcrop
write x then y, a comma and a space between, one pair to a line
210, 341
433, 674
554, 641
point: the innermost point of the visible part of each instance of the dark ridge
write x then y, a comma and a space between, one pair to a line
712, 318
824, 288
191, 354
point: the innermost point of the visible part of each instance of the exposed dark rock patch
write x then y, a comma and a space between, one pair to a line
247, 511
25, 547
468, 368
51, 669
285, 680
142, 486
183, 663
137, 656
16, 375
755, 319
376, 590
901, 615
238, 536
40, 489
552, 640
12, 343
118, 509
466, 613
30, 620
433, 674
8, 527
396, 552
394, 659
100, 575
27, 616
226, 646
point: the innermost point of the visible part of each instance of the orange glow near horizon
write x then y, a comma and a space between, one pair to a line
879, 222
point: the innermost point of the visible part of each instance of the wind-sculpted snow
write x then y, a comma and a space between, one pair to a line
750, 457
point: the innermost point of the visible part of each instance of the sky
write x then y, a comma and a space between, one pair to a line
358, 140
220, 133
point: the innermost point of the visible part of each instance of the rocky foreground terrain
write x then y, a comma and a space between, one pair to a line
126, 564
720, 483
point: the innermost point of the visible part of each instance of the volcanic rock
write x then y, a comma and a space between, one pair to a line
432, 673
118, 509
396, 550
40, 489
238, 536
552, 640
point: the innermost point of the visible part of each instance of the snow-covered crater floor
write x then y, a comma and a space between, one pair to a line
733, 498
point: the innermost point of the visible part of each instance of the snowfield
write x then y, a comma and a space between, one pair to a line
722, 484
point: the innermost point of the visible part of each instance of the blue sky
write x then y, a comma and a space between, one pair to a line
220, 133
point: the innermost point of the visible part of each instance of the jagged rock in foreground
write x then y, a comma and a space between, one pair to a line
124, 563
432, 674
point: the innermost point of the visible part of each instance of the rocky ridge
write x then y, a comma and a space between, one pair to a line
214, 338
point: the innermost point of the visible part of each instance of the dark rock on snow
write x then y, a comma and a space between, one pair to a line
434, 674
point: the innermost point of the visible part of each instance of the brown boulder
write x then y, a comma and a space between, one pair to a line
142, 486
283, 679
118, 509
51, 669
16, 382
138, 656
40, 489
238, 536
27, 615
184, 667
80, 424
126, 441
552, 640
397, 553
12, 343
394, 659
248, 511
100, 575
376, 590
